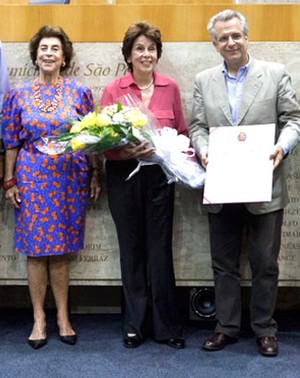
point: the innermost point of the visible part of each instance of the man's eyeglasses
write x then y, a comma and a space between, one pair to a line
234, 37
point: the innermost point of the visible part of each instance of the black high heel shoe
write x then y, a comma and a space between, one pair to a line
38, 343
70, 340
177, 343
132, 341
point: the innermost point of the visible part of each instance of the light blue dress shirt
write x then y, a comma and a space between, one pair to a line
235, 89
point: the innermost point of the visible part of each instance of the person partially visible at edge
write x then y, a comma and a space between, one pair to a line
142, 207
49, 193
4, 87
245, 91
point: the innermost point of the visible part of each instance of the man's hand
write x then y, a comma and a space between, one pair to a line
204, 159
277, 156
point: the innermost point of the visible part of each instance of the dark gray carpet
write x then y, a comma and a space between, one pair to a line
100, 353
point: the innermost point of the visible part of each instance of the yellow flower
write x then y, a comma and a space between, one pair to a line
136, 118
76, 128
77, 143
89, 119
109, 131
103, 120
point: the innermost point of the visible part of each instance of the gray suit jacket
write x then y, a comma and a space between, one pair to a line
268, 97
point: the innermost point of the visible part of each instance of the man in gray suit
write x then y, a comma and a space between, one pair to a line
245, 91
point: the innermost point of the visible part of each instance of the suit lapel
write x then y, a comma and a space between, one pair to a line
220, 93
252, 86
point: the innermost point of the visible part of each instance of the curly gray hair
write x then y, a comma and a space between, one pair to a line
226, 15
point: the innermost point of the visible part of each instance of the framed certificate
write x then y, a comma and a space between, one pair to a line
239, 168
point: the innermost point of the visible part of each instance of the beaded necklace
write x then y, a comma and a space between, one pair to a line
147, 86
56, 100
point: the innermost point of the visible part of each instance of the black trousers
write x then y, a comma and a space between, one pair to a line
263, 236
142, 209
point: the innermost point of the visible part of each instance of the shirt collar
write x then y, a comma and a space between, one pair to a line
128, 80
242, 69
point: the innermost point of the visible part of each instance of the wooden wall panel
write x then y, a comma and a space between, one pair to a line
177, 22
13, 2
166, 1
117, 2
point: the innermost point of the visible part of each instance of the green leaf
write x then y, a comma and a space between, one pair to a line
119, 106
66, 137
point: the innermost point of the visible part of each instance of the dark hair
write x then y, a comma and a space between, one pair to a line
49, 32
136, 30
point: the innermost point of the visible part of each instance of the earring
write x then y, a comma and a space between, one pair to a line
63, 64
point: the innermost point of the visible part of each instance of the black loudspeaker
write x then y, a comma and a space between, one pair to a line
202, 304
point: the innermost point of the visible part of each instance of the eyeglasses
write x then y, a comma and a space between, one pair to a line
234, 37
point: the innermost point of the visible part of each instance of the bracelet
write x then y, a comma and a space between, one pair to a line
9, 184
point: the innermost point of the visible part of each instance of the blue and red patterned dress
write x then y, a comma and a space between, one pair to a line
53, 189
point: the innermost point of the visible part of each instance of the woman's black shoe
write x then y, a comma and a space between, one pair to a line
132, 341
177, 343
37, 344
70, 340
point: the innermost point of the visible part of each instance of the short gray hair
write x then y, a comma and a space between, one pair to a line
226, 15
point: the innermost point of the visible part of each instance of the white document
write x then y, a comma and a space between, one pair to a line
239, 167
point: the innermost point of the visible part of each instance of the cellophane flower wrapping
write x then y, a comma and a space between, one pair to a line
129, 121
176, 158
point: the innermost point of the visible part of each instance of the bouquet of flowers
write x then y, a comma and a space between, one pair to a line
128, 121
115, 126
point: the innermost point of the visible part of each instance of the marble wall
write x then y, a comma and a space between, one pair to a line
98, 264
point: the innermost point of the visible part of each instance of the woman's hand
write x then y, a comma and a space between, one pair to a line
95, 184
12, 195
95, 165
135, 152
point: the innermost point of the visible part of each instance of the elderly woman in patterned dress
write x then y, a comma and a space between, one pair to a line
49, 193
